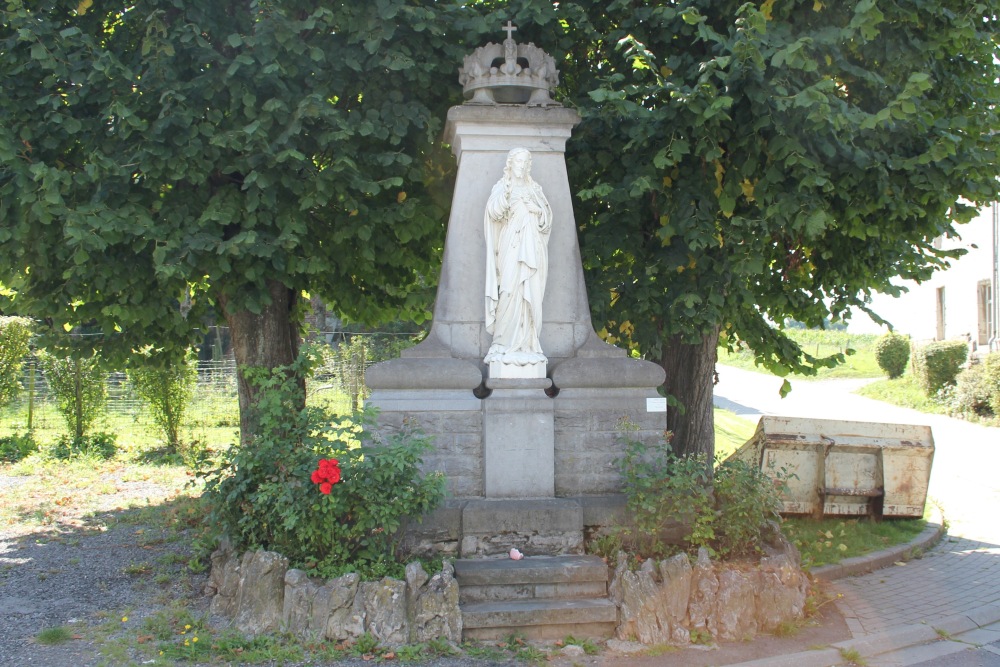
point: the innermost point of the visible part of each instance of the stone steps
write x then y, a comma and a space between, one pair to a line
539, 597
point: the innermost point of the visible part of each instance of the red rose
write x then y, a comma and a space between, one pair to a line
326, 474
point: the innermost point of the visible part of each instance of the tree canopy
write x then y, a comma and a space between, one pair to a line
744, 163
163, 159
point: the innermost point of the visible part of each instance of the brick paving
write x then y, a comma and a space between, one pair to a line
955, 577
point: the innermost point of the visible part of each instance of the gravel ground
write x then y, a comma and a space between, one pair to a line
88, 575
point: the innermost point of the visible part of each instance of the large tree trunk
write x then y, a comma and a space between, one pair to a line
266, 340
690, 381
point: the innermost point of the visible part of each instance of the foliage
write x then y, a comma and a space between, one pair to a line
15, 447
936, 365
892, 352
728, 515
100, 445
212, 149
991, 369
79, 388
232, 157
746, 499
262, 496
15, 332
166, 389
660, 490
977, 389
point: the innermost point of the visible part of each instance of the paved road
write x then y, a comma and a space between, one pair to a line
960, 578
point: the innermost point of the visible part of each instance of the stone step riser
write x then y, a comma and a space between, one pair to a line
537, 597
525, 613
543, 632
533, 571
587, 589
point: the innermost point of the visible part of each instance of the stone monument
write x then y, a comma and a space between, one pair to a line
523, 399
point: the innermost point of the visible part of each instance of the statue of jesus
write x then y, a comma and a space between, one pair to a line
518, 221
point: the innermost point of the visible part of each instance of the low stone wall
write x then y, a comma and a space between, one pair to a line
667, 601
260, 594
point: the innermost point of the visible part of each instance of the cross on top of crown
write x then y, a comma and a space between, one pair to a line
510, 29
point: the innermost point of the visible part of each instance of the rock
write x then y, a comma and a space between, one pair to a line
338, 608
433, 606
260, 603
572, 651
298, 609
385, 610
676, 575
735, 615
704, 587
416, 577
779, 601
626, 647
640, 613
224, 582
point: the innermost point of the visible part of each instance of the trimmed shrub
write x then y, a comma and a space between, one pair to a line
892, 353
937, 365
15, 332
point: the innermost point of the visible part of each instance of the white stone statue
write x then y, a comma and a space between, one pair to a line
518, 221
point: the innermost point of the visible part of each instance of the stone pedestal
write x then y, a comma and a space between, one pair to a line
537, 446
518, 439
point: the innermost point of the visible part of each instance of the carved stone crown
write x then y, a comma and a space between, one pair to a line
509, 73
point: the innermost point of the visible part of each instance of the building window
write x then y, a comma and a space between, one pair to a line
940, 313
984, 308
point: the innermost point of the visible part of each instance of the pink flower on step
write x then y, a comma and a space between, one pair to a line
515, 554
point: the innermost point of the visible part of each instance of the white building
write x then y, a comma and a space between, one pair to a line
955, 303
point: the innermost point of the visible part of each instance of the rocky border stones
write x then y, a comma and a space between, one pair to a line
259, 594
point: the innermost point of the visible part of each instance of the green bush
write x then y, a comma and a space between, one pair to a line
977, 390
892, 353
15, 333
662, 489
937, 365
727, 515
100, 445
15, 447
747, 500
264, 495
991, 371
80, 390
165, 389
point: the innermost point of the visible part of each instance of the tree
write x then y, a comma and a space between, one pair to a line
164, 159
743, 163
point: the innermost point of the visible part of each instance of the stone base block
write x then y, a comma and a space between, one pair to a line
536, 527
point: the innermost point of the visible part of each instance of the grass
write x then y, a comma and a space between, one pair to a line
56, 635
731, 431
904, 392
859, 364
831, 540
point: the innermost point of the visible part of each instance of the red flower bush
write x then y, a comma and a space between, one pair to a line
326, 475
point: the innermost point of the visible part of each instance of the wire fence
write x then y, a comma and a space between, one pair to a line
337, 381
